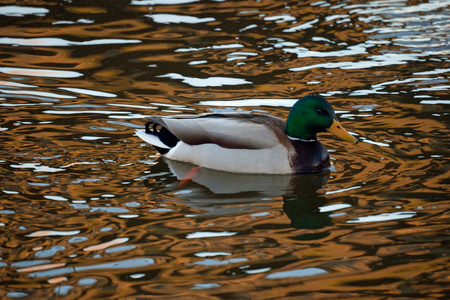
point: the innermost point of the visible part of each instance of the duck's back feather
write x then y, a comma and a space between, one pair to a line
229, 130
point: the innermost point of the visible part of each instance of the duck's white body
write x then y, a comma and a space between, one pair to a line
233, 142
228, 142
267, 161
272, 160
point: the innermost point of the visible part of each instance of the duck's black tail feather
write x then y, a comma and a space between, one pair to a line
166, 137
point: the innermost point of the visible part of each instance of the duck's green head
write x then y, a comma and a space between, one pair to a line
311, 115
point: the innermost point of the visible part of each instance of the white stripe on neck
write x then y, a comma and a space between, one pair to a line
299, 139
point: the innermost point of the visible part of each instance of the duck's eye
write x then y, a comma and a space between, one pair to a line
320, 111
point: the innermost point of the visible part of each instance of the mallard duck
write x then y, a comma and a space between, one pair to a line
248, 142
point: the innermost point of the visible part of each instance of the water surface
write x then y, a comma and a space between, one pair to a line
89, 211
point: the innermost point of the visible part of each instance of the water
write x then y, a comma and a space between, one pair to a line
89, 211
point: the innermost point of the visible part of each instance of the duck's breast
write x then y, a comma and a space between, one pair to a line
309, 157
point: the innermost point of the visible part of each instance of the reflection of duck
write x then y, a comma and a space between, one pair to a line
223, 193
221, 183
303, 211
249, 143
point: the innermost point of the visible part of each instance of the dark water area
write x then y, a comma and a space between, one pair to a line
89, 211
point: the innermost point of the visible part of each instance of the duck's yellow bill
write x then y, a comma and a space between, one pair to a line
339, 131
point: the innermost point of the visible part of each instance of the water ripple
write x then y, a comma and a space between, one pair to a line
20, 11
297, 273
58, 42
177, 19
40, 72
126, 264
204, 82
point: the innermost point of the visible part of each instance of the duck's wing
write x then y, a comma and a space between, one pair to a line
228, 130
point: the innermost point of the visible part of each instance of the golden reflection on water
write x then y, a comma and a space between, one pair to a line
87, 211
